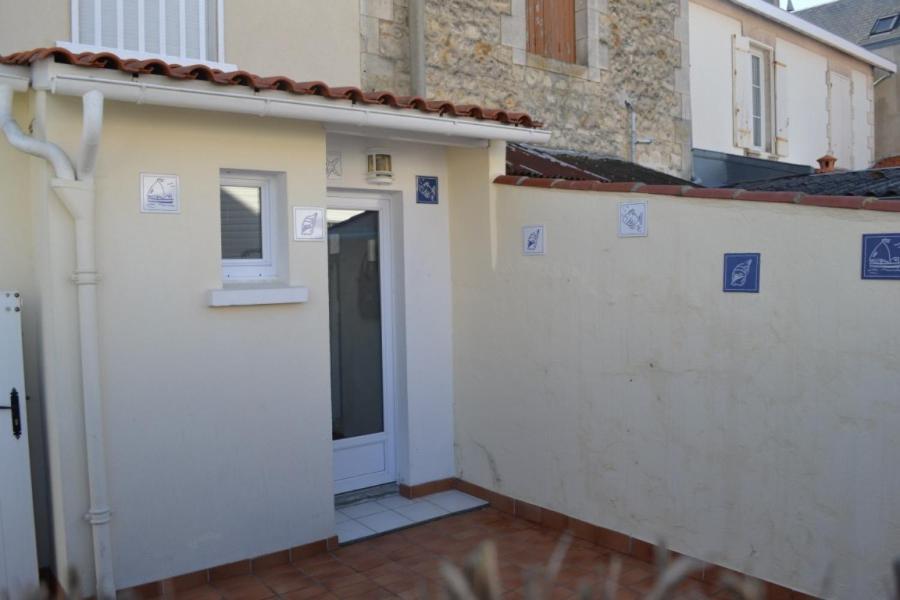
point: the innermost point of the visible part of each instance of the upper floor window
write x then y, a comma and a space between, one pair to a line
760, 99
885, 24
760, 95
551, 29
177, 31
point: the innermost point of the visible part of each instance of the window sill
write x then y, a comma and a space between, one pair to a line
257, 294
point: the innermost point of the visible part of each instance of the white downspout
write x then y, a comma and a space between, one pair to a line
75, 189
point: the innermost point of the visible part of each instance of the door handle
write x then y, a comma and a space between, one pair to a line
14, 410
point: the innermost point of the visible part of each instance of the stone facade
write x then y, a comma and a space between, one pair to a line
475, 52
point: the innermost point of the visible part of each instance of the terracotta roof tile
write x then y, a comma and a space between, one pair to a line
108, 60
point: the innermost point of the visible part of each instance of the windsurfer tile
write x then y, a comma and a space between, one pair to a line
741, 273
881, 256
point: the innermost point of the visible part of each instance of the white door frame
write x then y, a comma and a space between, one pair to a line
386, 440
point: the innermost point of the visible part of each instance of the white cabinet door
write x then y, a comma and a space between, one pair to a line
18, 556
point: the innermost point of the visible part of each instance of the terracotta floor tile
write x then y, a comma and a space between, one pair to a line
287, 581
335, 582
311, 593
250, 588
327, 570
360, 589
204, 592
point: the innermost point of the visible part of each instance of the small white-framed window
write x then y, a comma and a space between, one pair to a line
760, 99
248, 212
177, 31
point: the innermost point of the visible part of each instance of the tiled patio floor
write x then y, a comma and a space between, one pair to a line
405, 563
379, 515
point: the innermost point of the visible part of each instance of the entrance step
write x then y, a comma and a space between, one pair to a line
376, 515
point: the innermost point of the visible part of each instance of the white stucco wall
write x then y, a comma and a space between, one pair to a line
612, 379
811, 132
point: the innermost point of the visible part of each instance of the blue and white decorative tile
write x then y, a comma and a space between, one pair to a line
881, 256
741, 273
632, 219
533, 240
426, 189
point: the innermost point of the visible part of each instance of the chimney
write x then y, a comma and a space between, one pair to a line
826, 164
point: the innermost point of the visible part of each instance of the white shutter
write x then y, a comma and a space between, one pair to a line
782, 110
742, 92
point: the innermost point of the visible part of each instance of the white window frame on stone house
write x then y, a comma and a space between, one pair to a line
185, 32
760, 104
591, 38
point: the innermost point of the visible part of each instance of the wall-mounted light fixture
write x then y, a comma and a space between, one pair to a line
380, 169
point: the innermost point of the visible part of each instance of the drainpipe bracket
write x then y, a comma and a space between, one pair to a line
86, 277
98, 516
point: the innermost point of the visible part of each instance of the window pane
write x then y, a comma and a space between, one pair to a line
109, 24
241, 214
354, 300
86, 23
884, 24
151, 25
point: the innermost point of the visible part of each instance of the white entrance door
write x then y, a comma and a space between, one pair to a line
361, 304
18, 557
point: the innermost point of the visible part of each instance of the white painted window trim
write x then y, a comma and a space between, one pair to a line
255, 269
78, 45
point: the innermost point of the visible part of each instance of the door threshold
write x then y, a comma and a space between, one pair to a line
376, 491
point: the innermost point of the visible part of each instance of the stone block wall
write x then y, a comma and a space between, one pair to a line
475, 53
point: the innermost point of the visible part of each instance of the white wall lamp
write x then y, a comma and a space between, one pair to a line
380, 170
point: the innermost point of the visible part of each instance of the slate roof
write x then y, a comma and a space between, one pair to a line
554, 163
875, 183
108, 60
852, 19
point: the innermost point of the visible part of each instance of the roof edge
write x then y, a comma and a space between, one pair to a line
687, 191
789, 20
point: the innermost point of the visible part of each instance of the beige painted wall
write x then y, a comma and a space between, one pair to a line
811, 134
33, 24
303, 39
307, 40
217, 419
613, 380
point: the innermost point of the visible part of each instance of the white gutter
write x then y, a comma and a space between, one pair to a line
201, 95
79, 198
773, 13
